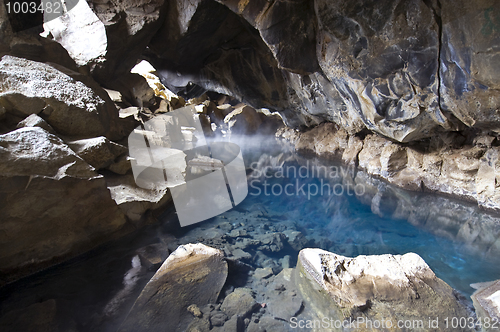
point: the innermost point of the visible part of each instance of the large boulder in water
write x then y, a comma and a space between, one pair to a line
377, 289
192, 274
54, 205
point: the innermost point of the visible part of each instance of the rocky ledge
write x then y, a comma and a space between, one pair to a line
452, 164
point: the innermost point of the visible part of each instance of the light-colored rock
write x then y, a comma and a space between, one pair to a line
115, 96
369, 156
385, 287
35, 121
46, 193
192, 275
99, 152
171, 100
193, 309
71, 107
81, 33
135, 201
486, 301
243, 120
392, 159
350, 155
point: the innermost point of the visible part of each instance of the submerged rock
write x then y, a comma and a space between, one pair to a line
192, 275
385, 288
240, 302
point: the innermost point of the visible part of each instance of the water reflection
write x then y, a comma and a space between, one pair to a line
459, 241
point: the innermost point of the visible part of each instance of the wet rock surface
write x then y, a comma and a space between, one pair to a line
440, 165
192, 275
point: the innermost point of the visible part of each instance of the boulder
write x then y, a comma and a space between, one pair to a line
283, 299
68, 105
46, 192
99, 152
243, 120
35, 121
486, 301
192, 274
134, 201
240, 302
81, 33
385, 288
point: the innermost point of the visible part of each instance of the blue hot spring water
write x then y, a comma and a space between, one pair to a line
340, 210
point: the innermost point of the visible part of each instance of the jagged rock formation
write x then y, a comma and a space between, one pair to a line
448, 164
377, 292
404, 69
410, 71
46, 193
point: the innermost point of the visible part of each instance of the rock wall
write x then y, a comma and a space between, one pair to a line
449, 164
414, 72
404, 69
